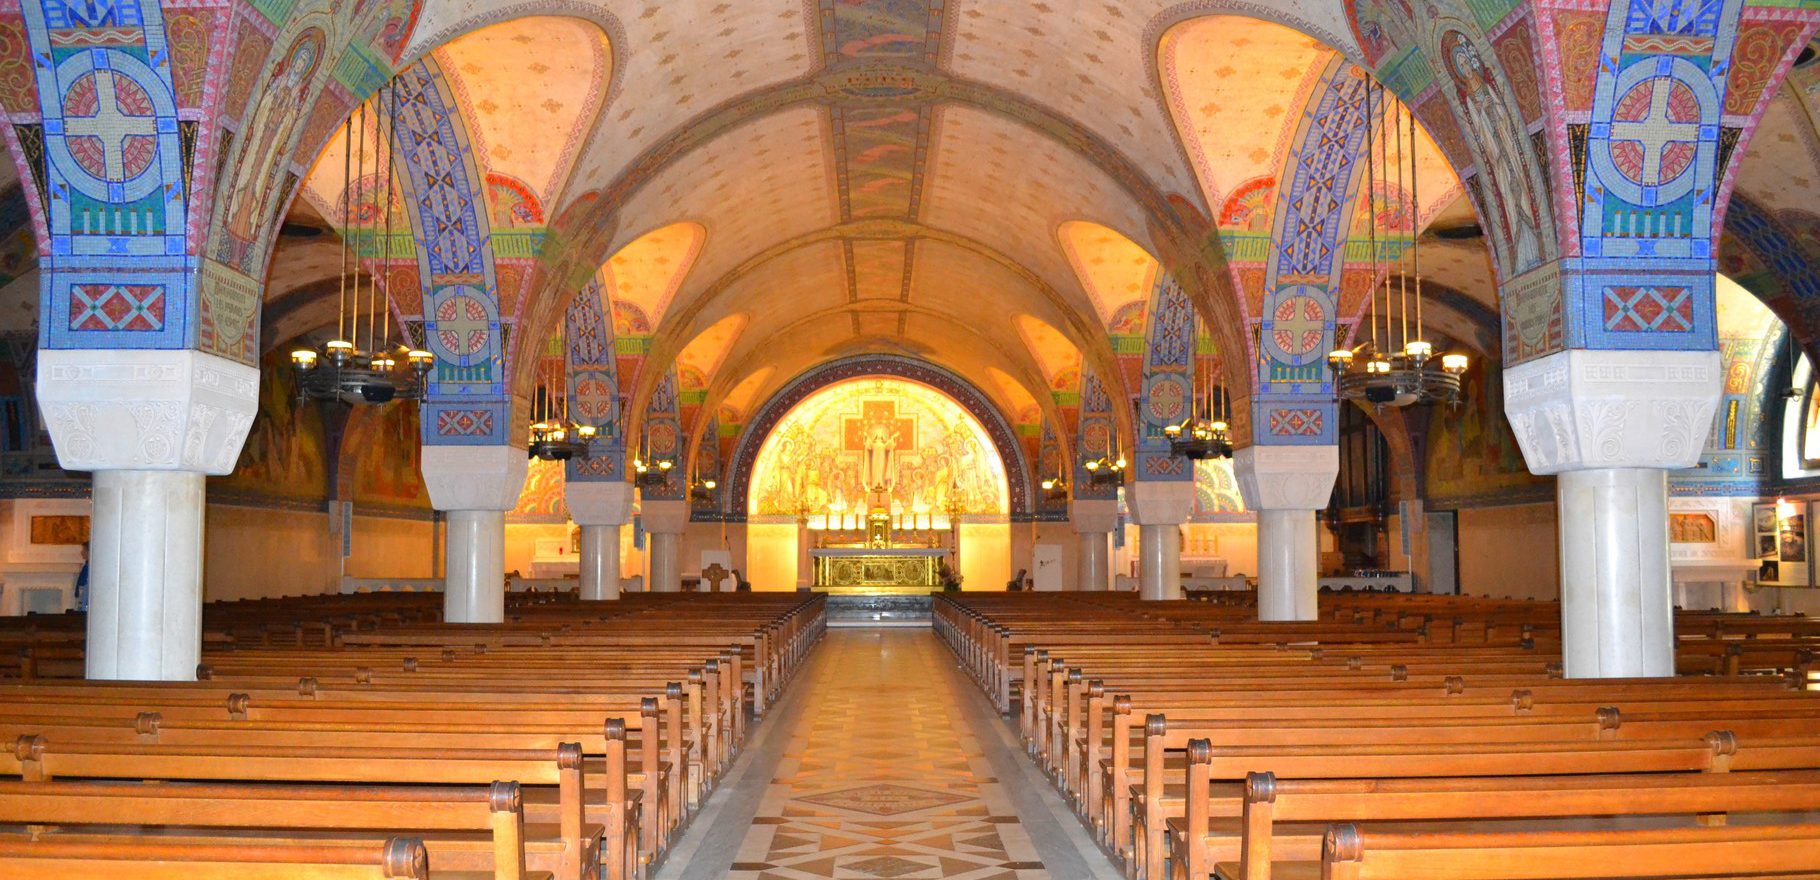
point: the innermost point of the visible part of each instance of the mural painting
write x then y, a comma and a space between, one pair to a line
852, 442
1472, 455
286, 451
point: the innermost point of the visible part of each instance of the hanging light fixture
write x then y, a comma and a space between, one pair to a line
383, 370
1108, 469
1205, 432
649, 473
1055, 488
553, 435
702, 491
1402, 369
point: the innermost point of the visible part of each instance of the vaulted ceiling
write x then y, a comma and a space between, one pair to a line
765, 185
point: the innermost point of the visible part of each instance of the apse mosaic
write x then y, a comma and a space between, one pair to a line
853, 442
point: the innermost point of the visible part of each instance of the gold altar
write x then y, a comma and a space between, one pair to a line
877, 572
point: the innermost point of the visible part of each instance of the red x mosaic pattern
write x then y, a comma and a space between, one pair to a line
128, 307
1649, 310
464, 423
1295, 422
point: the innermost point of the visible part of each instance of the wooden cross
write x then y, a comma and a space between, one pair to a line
713, 575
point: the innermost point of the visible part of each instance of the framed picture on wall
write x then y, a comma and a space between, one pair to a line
1763, 518
1766, 547
1769, 571
1794, 539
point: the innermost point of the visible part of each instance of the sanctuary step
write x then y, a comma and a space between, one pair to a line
854, 610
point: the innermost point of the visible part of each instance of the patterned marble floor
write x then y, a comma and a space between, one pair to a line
885, 772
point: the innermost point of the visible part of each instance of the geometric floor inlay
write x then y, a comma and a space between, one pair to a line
882, 776
883, 799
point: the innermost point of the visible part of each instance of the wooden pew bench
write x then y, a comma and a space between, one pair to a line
482, 830
1784, 852
1280, 830
34, 760
35, 860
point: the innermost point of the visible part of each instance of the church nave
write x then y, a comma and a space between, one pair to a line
885, 762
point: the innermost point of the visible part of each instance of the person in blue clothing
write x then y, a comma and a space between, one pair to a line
82, 582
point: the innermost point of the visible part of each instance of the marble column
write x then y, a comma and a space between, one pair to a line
1610, 425
1093, 521
474, 486
1160, 508
1618, 617
600, 509
151, 425
665, 522
1285, 486
805, 562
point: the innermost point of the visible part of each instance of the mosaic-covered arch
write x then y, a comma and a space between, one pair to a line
971, 398
1302, 277
468, 403
593, 386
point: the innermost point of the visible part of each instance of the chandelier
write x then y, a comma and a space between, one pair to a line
343, 369
1397, 368
1055, 488
553, 435
1204, 432
649, 474
702, 491
1108, 469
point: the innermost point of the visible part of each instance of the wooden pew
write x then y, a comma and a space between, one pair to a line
496, 810
1779, 851
36, 860
1261, 846
34, 760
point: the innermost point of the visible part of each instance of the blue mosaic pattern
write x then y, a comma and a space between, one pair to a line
119, 271
443, 187
1095, 437
594, 399
1644, 277
663, 436
1293, 403
1168, 381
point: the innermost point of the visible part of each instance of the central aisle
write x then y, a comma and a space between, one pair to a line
885, 761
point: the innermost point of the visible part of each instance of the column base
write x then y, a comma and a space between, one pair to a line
1289, 584
1617, 592
599, 563
474, 590
145, 576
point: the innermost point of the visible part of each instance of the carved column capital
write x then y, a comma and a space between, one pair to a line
1286, 477
1582, 409
599, 503
1160, 502
146, 410
474, 477
1091, 515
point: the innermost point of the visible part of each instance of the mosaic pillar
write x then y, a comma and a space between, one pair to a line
474, 486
